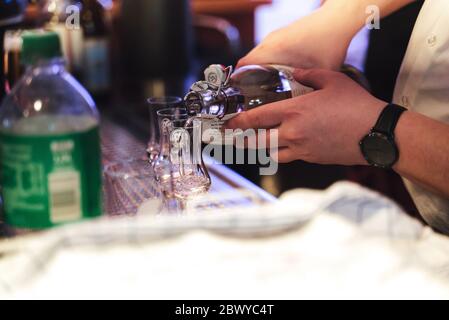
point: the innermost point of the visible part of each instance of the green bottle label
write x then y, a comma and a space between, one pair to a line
50, 180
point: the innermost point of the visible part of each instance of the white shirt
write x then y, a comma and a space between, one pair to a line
423, 86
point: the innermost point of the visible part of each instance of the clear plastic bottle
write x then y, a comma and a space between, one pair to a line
49, 139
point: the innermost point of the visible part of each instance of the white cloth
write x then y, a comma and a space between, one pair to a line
423, 86
357, 244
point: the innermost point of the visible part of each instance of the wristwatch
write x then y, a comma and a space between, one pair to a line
379, 146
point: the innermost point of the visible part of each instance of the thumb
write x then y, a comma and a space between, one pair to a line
314, 78
241, 63
246, 60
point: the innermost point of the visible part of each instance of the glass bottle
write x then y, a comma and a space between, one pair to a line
13, 68
11, 14
64, 18
97, 74
225, 93
49, 142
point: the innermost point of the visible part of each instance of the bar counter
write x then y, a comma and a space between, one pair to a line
119, 143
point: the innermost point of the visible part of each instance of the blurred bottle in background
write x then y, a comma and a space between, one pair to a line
11, 14
13, 68
84, 28
49, 140
96, 56
34, 16
64, 17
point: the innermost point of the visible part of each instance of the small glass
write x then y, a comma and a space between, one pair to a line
179, 167
192, 177
127, 185
162, 164
155, 105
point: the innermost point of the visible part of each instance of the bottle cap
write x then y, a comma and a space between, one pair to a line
40, 45
216, 75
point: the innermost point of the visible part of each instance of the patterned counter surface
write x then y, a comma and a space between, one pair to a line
119, 144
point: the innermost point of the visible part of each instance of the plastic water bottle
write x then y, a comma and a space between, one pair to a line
49, 142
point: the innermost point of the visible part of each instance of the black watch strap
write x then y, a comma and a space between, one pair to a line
388, 119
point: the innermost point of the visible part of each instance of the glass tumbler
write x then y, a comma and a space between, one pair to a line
155, 105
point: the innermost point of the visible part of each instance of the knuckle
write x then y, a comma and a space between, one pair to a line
308, 73
285, 157
317, 72
239, 122
294, 113
293, 135
338, 76
254, 120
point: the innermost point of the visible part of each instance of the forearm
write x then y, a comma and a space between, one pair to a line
358, 7
351, 15
424, 152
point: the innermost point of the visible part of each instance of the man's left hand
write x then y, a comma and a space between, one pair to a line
324, 126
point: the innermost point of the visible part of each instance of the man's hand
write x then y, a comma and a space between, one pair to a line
324, 126
316, 41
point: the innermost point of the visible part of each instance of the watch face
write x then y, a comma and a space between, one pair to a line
379, 150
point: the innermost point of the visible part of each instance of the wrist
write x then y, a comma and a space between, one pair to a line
406, 132
367, 121
380, 147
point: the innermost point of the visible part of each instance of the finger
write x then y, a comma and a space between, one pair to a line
272, 139
283, 155
315, 78
242, 62
256, 139
246, 60
264, 117
269, 139
245, 139
253, 58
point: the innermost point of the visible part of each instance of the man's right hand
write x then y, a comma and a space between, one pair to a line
316, 41
320, 40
